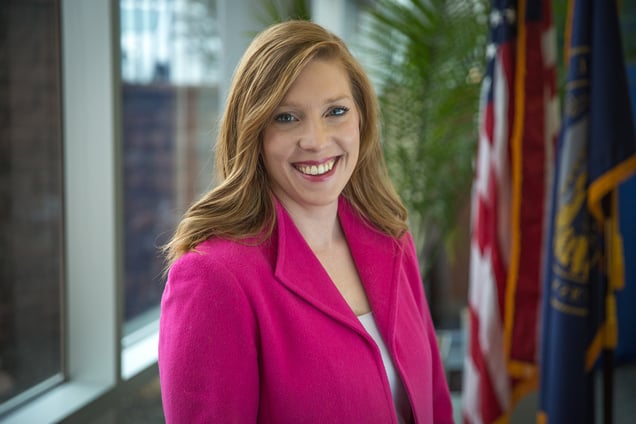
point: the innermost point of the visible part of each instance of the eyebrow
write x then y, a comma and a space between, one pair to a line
334, 99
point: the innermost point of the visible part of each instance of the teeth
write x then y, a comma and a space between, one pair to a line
316, 170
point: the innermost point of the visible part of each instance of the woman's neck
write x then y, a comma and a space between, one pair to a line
319, 226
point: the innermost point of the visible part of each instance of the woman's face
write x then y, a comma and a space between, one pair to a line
312, 141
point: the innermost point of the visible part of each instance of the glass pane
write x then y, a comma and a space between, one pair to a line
31, 202
170, 72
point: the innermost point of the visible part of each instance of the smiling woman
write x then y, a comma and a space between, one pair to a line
311, 146
294, 293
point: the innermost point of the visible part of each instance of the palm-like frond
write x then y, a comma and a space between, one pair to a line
273, 11
428, 58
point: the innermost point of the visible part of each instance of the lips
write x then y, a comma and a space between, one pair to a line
316, 169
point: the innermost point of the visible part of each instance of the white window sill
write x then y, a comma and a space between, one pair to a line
140, 350
61, 402
56, 404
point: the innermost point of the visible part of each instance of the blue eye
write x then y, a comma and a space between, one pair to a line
338, 111
284, 117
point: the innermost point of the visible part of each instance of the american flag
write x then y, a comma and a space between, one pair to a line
518, 130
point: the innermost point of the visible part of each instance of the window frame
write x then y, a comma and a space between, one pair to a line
92, 330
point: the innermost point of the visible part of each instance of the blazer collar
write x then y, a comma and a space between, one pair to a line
375, 255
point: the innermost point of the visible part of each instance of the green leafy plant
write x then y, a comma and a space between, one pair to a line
428, 61
273, 11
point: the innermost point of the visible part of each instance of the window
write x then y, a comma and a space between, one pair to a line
170, 78
31, 200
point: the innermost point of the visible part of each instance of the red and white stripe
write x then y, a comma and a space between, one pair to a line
496, 375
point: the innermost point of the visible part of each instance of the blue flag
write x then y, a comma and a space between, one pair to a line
626, 298
596, 151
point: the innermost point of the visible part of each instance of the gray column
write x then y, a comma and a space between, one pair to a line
238, 24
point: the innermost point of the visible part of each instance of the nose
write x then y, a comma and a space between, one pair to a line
315, 135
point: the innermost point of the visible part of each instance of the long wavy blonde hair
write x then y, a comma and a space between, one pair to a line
241, 205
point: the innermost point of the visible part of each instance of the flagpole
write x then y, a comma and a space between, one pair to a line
608, 386
612, 237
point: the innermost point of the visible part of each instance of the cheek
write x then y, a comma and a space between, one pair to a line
355, 146
276, 153
356, 131
271, 145
269, 151
354, 139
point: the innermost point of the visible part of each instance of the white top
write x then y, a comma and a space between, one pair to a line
400, 399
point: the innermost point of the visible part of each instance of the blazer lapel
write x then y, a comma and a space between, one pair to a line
302, 273
377, 259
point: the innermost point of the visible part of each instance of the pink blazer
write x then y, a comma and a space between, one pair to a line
260, 334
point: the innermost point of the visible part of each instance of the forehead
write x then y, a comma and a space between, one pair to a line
320, 79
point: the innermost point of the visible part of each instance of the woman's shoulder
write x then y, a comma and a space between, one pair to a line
223, 248
218, 255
